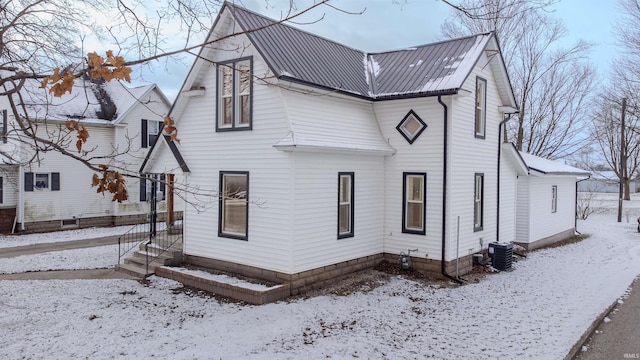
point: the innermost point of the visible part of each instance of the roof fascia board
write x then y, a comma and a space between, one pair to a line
369, 98
505, 73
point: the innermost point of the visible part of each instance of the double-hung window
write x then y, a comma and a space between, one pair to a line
234, 95
481, 107
233, 211
478, 203
150, 132
554, 198
345, 205
413, 209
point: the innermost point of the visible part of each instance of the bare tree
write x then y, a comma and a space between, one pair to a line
624, 82
605, 130
43, 41
551, 83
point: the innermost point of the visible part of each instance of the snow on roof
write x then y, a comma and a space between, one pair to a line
95, 102
305, 57
550, 167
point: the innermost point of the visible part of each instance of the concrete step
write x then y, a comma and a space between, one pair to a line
133, 270
142, 262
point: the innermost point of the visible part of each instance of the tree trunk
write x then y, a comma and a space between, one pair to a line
627, 187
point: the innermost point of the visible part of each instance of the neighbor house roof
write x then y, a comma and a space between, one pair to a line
550, 167
296, 55
94, 102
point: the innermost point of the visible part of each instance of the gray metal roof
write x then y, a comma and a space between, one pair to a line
299, 56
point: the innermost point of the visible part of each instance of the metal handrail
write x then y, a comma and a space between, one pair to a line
163, 240
132, 239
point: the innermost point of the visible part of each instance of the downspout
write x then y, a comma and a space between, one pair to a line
575, 224
21, 197
444, 193
498, 180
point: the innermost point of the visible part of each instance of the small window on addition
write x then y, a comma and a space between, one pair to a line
411, 126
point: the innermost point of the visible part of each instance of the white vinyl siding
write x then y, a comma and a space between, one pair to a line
424, 155
543, 222
469, 155
208, 152
523, 232
314, 215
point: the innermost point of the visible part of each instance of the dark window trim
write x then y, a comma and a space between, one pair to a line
1, 189
415, 137
351, 176
234, 96
480, 227
554, 199
405, 176
221, 204
484, 110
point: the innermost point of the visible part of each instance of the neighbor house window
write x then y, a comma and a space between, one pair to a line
146, 186
345, 205
554, 198
233, 211
478, 203
234, 95
481, 107
40, 181
150, 132
413, 209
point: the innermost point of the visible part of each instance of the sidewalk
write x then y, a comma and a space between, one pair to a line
617, 335
62, 274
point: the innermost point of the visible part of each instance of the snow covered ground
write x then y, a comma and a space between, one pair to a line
537, 311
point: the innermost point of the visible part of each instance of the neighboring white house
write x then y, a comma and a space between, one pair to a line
605, 182
52, 191
546, 200
329, 159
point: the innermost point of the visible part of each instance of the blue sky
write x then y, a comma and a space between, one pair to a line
386, 25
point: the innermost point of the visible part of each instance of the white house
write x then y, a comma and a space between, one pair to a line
546, 202
329, 159
52, 191
605, 182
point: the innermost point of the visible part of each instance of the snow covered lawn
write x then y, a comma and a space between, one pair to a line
538, 311
100, 257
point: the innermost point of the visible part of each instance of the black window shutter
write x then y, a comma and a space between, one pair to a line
55, 181
28, 181
145, 134
143, 188
1, 189
163, 185
4, 126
